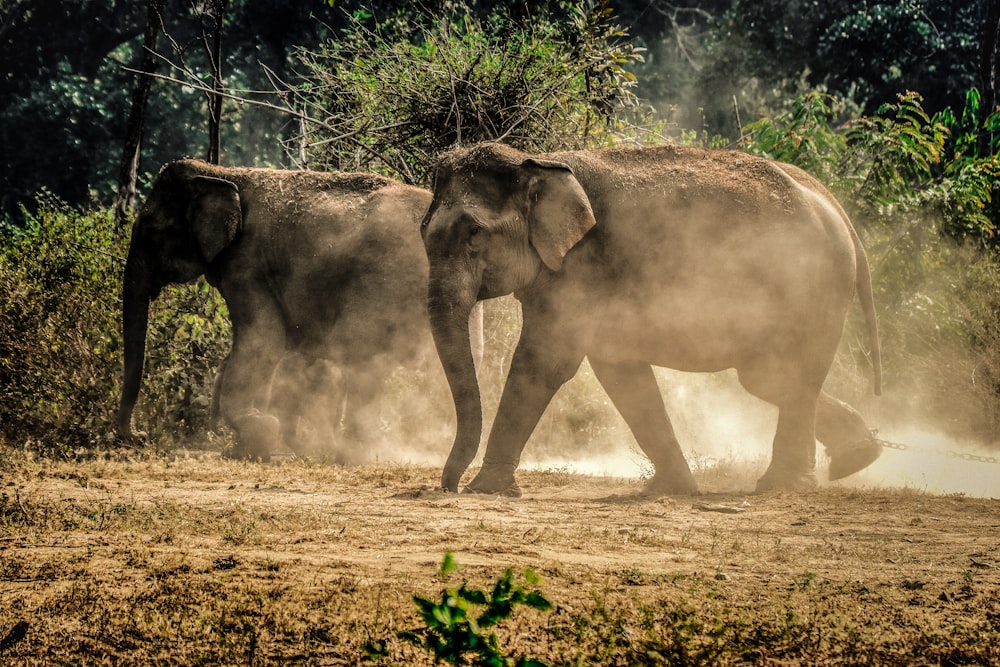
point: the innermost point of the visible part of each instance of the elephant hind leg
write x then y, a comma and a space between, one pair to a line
793, 454
328, 405
842, 430
632, 388
307, 391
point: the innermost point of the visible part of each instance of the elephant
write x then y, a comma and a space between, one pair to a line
634, 257
325, 265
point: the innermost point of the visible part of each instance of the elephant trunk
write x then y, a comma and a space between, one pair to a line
137, 294
449, 317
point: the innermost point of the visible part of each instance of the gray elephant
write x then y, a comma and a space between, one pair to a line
327, 265
676, 257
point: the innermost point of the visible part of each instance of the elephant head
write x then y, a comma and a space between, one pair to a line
509, 222
188, 219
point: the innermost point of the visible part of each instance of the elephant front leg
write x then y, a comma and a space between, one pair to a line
632, 388
244, 392
793, 457
532, 381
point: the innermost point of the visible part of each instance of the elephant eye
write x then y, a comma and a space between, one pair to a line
476, 234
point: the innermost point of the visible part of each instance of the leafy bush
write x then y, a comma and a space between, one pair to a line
60, 336
898, 165
804, 136
189, 336
394, 96
59, 341
456, 634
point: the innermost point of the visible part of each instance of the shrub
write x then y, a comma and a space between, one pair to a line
58, 332
393, 96
189, 336
60, 336
457, 629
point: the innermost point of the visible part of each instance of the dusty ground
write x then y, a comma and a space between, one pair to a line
189, 559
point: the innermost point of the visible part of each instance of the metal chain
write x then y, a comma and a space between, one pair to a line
965, 456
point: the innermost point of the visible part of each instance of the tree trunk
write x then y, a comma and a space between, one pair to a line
137, 115
215, 99
989, 70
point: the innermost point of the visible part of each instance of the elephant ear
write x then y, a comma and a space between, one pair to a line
214, 214
559, 212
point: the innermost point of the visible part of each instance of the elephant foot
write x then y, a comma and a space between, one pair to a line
848, 459
663, 484
786, 481
348, 458
497, 480
256, 433
130, 438
450, 479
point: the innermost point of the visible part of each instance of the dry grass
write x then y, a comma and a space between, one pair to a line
195, 560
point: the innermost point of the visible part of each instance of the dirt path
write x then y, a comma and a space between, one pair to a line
119, 560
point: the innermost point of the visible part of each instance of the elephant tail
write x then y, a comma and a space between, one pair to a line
863, 283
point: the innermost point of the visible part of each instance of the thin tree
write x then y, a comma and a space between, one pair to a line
217, 12
989, 72
137, 115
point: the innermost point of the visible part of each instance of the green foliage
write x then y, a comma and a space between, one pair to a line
67, 90
918, 190
59, 81
189, 335
397, 94
457, 633
804, 136
60, 337
884, 47
761, 55
900, 163
58, 325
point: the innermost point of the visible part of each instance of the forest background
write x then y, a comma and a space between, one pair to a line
891, 104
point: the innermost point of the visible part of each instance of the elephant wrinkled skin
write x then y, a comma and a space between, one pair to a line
323, 265
684, 258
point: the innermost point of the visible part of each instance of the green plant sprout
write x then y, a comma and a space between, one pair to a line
457, 627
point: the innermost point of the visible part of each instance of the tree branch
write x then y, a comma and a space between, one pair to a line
195, 84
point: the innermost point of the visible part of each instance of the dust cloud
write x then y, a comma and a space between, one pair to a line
716, 422
724, 431
932, 463
726, 436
